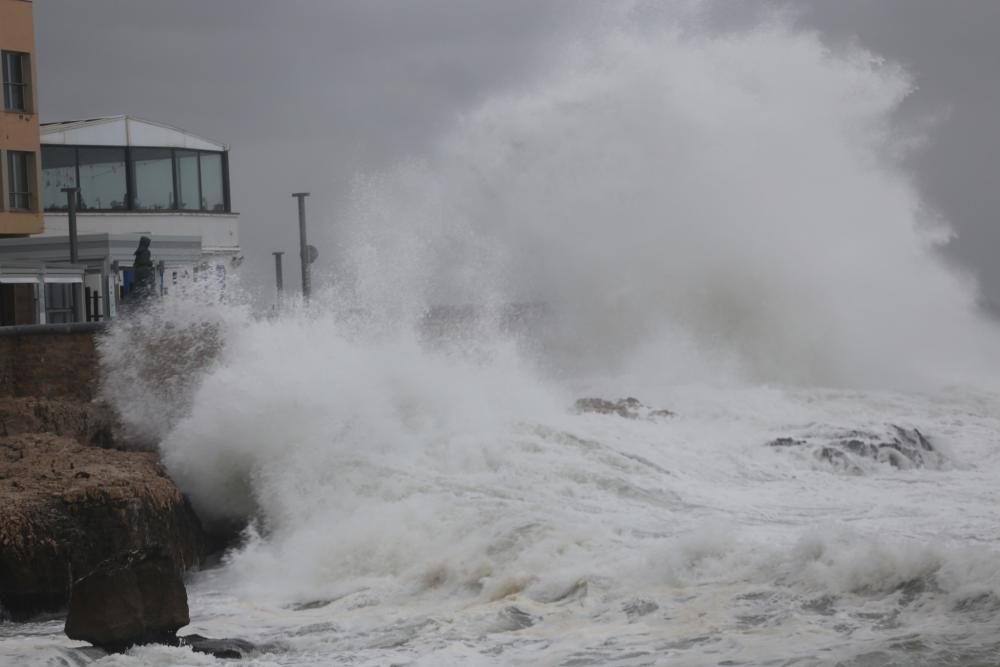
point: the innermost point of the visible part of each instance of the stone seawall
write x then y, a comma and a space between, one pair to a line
49, 360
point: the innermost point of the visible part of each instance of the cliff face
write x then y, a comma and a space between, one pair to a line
65, 507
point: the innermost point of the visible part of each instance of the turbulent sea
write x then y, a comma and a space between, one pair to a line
719, 226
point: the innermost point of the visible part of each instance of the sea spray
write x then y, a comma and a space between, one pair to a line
731, 199
697, 215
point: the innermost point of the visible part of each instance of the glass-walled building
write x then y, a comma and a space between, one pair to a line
138, 176
134, 178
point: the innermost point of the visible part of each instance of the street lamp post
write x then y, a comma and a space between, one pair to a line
279, 279
303, 245
74, 251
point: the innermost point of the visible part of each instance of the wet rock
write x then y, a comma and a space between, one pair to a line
638, 608
629, 408
312, 604
605, 407
219, 648
897, 446
65, 508
135, 598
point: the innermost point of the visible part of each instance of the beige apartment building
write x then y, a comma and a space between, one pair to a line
20, 163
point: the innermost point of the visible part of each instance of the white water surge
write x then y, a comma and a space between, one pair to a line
717, 225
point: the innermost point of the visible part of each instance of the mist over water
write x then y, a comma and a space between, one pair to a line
717, 224
736, 199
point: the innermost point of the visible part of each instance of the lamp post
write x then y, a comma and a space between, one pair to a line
279, 279
74, 254
303, 245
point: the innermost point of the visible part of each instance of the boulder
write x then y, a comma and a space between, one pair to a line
134, 598
629, 408
896, 446
65, 508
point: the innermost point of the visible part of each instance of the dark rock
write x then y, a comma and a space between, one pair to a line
629, 408
786, 442
312, 604
219, 648
637, 608
605, 407
899, 447
137, 597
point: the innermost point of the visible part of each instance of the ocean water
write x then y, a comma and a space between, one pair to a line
719, 226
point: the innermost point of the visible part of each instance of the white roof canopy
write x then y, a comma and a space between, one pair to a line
122, 131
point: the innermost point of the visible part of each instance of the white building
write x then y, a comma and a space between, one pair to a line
134, 178
139, 177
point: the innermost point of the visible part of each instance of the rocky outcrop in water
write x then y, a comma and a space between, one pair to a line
136, 597
219, 648
629, 408
67, 507
898, 447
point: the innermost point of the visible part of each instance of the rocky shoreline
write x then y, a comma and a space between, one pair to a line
73, 493
65, 507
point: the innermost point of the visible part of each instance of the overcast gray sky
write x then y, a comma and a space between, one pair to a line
310, 92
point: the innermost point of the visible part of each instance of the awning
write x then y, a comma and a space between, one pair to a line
63, 279
27, 279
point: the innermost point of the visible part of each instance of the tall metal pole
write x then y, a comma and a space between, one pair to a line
279, 278
303, 244
74, 251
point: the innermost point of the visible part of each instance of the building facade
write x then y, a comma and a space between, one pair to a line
20, 163
132, 178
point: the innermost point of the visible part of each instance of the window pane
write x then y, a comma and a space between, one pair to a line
18, 172
59, 303
58, 172
187, 180
102, 178
212, 198
154, 182
14, 83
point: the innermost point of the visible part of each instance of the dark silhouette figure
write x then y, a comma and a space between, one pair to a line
145, 274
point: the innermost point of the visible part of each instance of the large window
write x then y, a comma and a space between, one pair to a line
188, 181
15, 74
154, 179
58, 172
136, 179
213, 194
102, 178
19, 164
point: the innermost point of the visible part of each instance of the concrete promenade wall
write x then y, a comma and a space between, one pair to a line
49, 360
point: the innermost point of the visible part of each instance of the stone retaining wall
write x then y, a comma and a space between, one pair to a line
49, 360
